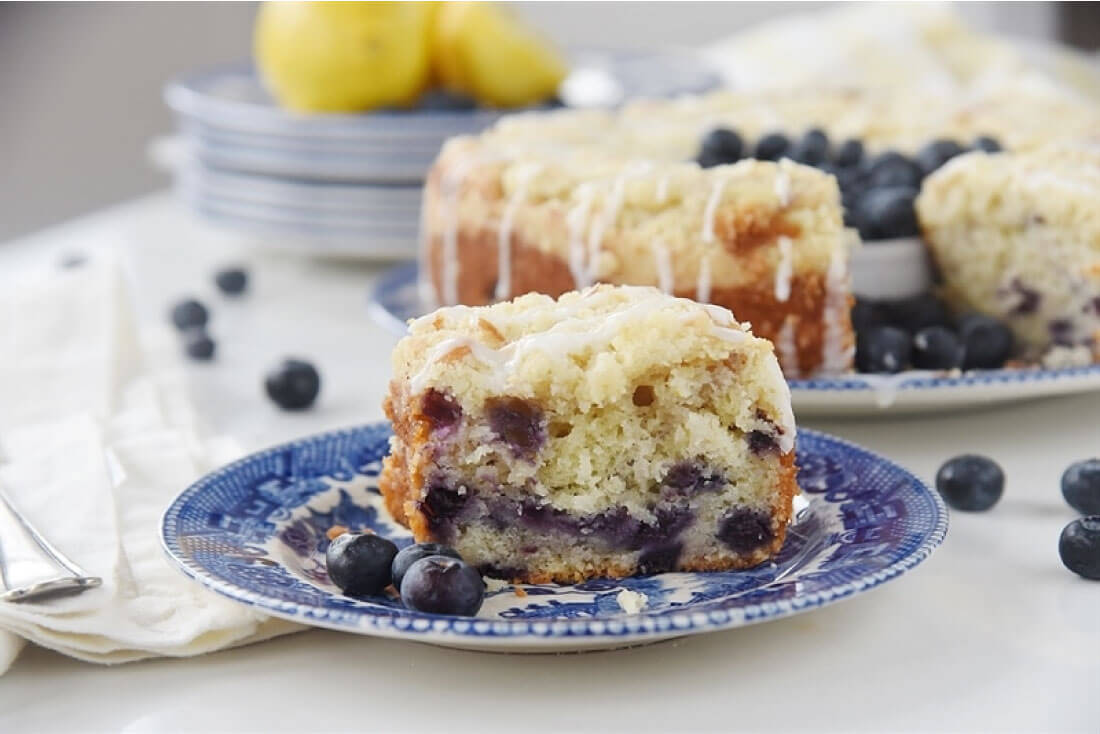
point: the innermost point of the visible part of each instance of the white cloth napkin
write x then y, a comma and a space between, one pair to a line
97, 436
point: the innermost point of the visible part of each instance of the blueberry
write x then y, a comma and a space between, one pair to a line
517, 422
1079, 547
771, 147
970, 483
410, 554
988, 342
917, 312
743, 531
440, 409
231, 281
849, 154
886, 213
937, 348
441, 100
891, 169
293, 385
1081, 486
866, 314
882, 349
360, 564
719, 146
812, 148
986, 144
442, 585
936, 153
198, 344
189, 314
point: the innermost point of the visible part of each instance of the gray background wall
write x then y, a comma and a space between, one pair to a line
80, 83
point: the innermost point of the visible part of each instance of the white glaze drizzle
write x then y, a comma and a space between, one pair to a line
662, 190
663, 260
503, 289
835, 358
783, 183
610, 214
787, 349
702, 281
576, 220
425, 286
783, 270
450, 186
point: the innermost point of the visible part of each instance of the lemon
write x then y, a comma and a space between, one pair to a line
483, 50
343, 57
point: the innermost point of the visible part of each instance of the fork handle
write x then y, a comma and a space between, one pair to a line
30, 567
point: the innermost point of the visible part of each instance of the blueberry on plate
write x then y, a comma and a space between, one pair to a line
936, 153
849, 154
882, 349
937, 348
293, 385
198, 345
771, 147
970, 483
443, 585
719, 146
886, 213
986, 144
1081, 486
231, 281
891, 169
1079, 547
988, 342
189, 314
359, 564
410, 554
812, 148
917, 312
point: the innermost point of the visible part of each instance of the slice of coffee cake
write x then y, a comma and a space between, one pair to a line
614, 431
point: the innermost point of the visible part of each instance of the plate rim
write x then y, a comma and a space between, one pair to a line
486, 633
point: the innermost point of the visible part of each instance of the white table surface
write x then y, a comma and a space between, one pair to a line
990, 634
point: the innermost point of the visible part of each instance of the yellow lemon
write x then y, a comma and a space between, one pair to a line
483, 50
343, 57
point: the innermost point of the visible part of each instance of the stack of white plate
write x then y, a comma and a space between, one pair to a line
350, 184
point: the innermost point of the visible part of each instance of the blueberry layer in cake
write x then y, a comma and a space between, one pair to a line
614, 431
764, 239
1017, 237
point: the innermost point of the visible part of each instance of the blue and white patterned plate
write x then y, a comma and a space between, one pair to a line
394, 300
255, 532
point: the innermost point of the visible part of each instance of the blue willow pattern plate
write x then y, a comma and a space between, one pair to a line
255, 532
394, 300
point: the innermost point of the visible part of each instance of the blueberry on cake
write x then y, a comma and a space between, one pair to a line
764, 239
1017, 237
611, 432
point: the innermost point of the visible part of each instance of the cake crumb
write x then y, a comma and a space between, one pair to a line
520, 592
335, 532
492, 585
631, 602
1060, 357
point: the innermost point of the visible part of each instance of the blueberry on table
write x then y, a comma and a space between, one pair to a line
986, 144
917, 312
988, 342
198, 344
882, 349
771, 147
1079, 547
719, 146
410, 554
849, 154
886, 213
970, 483
937, 348
443, 585
231, 281
189, 314
936, 153
360, 564
812, 148
892, 169
293, 385
1081, 486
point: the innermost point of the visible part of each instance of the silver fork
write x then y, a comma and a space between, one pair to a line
30, 568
